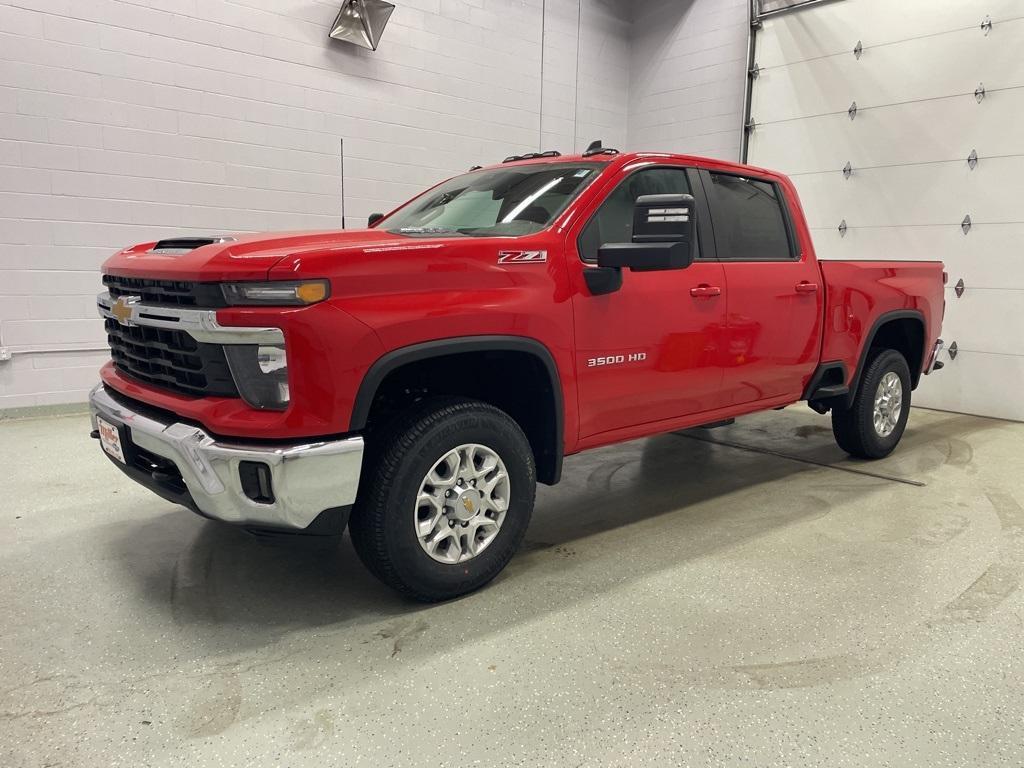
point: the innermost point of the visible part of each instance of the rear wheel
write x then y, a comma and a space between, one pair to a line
445, 499
873, 425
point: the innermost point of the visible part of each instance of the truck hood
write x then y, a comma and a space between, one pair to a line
239, 257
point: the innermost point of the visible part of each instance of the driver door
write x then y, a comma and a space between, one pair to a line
652, 350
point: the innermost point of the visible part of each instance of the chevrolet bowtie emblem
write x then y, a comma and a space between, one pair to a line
122, 309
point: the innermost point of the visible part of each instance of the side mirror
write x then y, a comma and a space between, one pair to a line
374, 218
644, 257
663, 236
663, 218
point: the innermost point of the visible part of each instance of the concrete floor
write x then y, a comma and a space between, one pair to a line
678, 602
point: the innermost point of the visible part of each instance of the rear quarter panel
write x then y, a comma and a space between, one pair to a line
858, 293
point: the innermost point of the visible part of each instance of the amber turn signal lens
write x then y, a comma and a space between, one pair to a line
282, 294
310, 293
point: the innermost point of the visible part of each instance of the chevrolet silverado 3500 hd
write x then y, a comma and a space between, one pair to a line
415, 379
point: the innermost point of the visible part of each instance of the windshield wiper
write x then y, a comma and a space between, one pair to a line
479, 232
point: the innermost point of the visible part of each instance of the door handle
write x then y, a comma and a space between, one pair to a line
805, 287
703, 290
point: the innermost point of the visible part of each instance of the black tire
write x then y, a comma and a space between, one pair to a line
854, 427
382, 522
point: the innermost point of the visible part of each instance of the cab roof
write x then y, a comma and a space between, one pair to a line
619, 159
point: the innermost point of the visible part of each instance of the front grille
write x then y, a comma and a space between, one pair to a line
167, 292
170, 359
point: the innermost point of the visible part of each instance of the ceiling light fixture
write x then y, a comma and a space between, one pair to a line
362, 22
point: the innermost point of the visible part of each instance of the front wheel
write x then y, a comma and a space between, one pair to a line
873, 424
445, 499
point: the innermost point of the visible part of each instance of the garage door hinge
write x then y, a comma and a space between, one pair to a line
965, 225
979, 93
842, 228
972, 159
750, 126
847, 170
953, 351
959, 289
858, 49
986, 25
852, 111
754, 71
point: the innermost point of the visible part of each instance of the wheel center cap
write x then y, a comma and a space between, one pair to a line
466, 504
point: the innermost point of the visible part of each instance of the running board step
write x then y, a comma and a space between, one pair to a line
830, 391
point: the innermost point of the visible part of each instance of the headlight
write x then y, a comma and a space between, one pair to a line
260, 373
284, 293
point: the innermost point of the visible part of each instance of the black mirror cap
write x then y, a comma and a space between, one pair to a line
374, 218
645, 257
602, 280
663, 219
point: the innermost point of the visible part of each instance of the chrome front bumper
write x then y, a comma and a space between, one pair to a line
307, 478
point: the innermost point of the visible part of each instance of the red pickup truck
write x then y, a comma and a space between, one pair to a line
415, 379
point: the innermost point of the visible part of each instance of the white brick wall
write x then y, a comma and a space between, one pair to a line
604, 62
126, 120
687, 75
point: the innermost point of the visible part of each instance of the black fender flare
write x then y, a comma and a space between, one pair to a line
396, 358
882, 319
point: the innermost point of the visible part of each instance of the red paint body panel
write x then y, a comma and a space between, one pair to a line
753, 346
682, 337
859, 292
323, 379
247, 257
407, 291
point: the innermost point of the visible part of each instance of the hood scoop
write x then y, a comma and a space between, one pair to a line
179, 245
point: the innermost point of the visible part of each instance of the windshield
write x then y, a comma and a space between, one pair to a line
499, 202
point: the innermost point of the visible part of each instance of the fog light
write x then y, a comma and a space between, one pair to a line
260, 373
271, 359
256, 482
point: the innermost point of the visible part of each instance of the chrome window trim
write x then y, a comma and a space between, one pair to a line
200, 324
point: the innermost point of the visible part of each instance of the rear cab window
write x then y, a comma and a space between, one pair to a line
749, 218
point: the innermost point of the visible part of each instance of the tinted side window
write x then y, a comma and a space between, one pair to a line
613, 222
748, 219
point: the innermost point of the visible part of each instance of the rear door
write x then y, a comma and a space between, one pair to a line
774, 299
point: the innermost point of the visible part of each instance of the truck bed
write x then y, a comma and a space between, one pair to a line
859, 293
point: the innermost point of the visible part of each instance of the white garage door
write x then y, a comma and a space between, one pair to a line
912, 68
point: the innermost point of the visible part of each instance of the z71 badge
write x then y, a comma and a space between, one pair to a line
522, 257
